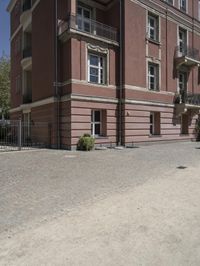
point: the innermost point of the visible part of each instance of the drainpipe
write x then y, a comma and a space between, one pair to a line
120, 75
56, 87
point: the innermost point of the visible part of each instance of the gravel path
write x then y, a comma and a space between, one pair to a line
131, 207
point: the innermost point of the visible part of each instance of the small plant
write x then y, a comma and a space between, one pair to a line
86, 143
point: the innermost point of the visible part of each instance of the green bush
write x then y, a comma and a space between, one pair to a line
86, 143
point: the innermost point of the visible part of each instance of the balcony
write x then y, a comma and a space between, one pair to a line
187, 56
187, 101
89, 28
26, 62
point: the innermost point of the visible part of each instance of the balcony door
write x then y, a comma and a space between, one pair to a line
84, 19
183, 85
182, 41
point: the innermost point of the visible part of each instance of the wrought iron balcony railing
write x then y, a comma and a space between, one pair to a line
26, 5
88, 26
189, 98
187, 51
27, 52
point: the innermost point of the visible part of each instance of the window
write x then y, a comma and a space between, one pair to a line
183, 5
182, 40
199, 9
184, 124
18, 84
153, 27
96, 69
96, 123
153, 76
183, 86
84, 19
154, 123
170, 2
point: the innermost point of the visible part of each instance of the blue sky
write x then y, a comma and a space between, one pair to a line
4, 28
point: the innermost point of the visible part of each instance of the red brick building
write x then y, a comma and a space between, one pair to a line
124, 71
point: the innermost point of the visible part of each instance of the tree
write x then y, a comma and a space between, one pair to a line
4, 84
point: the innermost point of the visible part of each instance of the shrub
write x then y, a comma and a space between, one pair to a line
86, 143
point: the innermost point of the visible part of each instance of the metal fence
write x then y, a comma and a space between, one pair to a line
17, 135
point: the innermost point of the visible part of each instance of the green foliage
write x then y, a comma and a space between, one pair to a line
5, 84
86, 143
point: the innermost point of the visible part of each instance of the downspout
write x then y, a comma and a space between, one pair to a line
192, 43
56, 87
120, 76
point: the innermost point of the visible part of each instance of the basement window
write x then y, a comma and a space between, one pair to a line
154, 123
98, 123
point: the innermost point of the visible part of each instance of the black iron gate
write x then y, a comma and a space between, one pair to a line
18, 135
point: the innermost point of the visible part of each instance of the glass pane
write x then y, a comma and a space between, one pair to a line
93, 71
97, 129
93, 79
97, 116
79, 10
151, 118
94, 60
152, 70
79, 23
86, 14
86, 26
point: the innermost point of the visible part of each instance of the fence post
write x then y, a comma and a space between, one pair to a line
20, 135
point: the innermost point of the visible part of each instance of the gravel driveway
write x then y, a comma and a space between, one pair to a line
117, 207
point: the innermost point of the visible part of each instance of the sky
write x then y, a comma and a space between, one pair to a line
4, 28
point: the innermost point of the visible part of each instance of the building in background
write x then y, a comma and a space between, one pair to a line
123, 71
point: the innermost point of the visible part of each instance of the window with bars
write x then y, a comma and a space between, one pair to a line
153, 27
153, 76
96, 68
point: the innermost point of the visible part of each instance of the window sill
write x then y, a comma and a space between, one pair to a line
155, 136
186, 134
154, 90
98, 84
153, 41
100, 137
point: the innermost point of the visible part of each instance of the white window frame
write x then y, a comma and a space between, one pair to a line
181, 5
155, 76
155, 28
93, 123
99, 68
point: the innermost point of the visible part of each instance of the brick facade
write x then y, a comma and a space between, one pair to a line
147, 115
